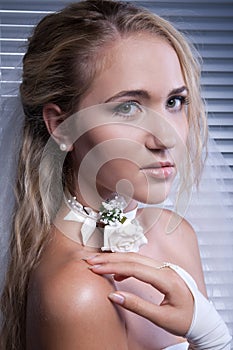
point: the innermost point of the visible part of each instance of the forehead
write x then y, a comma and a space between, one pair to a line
137, 62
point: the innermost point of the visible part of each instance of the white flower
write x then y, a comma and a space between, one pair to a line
118, 203
111, 211
107, 206
121, 234
126, 237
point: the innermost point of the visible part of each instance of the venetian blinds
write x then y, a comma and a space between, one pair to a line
209, 25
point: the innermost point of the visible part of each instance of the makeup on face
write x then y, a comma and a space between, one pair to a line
140, 136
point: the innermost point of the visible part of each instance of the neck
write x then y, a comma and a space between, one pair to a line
95, 203
131, 206
83, 225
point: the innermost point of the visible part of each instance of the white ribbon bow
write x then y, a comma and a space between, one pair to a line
89, 223
126, 237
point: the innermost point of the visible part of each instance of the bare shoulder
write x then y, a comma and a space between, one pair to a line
76, 286
72, 310
184, 244
178, 231
175, 241
168, 225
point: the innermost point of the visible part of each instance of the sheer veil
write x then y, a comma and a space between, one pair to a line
11, 125
211, 213
209, 210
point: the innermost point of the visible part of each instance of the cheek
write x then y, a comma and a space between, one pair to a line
113, 142
103, 135
116, 170
185, 129
118, 175
86, 144
180, 151
106, 161
182, 130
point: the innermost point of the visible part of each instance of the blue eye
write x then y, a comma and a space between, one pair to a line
175, 103
127, 109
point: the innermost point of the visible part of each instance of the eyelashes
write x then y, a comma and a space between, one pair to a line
176, 103
127, 109
133, 109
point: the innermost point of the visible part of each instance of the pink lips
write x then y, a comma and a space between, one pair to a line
159, 170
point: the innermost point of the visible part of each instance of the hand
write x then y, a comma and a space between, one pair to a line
175, 312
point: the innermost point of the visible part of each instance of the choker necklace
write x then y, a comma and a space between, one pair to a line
121, 231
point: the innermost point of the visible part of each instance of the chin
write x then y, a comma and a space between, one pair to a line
154, 195
156, 198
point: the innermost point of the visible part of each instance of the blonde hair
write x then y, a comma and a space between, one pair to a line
63, 57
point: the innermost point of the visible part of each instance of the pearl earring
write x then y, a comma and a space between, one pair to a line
63, 147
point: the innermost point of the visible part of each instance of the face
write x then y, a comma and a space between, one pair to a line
135, 124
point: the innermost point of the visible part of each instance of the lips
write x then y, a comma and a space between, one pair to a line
160, 170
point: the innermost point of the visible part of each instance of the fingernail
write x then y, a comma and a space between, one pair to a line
116, 298
94, 266
89, 257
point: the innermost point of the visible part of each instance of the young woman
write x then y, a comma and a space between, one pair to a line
113, 114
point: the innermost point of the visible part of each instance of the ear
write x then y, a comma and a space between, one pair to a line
53, 117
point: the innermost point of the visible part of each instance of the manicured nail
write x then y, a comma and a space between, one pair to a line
116, 298
89, 257
94, 266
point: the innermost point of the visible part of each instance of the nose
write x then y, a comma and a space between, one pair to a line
161, 134
159, 143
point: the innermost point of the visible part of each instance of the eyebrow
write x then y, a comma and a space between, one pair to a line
178, 90
143, 93
130, 93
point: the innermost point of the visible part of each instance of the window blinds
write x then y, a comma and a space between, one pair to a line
209, 25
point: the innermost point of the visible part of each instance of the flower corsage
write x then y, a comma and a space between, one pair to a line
122, 232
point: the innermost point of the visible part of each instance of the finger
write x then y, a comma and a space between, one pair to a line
169, 318
160, 279
122, 257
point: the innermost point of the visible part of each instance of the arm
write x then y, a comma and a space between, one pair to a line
184, 310
75, 313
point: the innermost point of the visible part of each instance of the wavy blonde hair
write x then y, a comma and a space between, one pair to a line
65, 52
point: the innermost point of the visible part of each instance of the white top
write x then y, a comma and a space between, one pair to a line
180, 346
